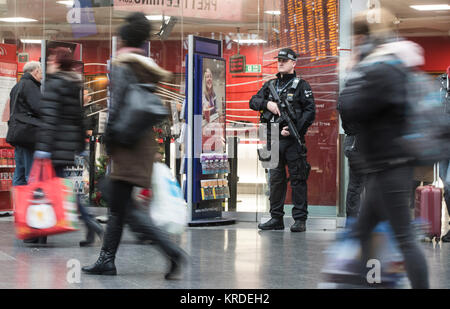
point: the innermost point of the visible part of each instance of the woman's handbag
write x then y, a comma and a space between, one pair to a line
140, 111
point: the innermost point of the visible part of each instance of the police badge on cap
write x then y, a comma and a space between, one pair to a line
288, 54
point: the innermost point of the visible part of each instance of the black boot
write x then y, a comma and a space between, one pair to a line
93, 227
176, 265
298, 226
105, 263
141, 223
31, 240
272, 224
37, 240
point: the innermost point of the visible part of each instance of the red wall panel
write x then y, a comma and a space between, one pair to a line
437, 53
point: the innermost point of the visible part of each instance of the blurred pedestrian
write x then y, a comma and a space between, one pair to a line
351, 151
91, 122
444, 174
23, 124
444, 165
375, 97
355, 179
62, 135
131, 166
24, 119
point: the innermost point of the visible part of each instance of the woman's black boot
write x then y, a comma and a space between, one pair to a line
105, 263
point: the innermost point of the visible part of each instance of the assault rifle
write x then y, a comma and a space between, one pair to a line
287, 114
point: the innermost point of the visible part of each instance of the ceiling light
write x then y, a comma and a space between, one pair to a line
30, 41
157, 17
17, 20
68, 3
273, 12
431, 7
251, 41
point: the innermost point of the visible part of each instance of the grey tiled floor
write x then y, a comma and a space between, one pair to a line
228, 257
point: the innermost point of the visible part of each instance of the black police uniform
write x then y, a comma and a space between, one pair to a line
299, 94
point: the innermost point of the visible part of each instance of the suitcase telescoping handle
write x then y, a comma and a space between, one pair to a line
436, 175
435, 182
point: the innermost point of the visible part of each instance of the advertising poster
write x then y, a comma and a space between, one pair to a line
316, 41
8, 78
213, 105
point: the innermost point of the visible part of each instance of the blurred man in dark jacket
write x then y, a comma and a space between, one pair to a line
89, 122
351, 142
26, 109
355, 178
375, 97
444, 165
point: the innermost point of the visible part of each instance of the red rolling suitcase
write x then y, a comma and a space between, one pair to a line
428, 206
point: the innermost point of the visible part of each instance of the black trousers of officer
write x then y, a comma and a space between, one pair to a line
292, 156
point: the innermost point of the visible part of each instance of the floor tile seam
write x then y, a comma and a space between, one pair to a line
7, 255
133, 283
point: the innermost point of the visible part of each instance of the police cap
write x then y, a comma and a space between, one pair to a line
287, 53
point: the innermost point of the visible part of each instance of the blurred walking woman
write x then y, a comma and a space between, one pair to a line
131, 166
62, 133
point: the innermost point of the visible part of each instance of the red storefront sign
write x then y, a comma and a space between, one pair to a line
230, 10
8, 53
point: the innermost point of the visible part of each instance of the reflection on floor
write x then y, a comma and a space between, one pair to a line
252, 203
237, 256
260, 204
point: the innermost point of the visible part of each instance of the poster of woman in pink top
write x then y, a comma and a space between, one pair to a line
213, 105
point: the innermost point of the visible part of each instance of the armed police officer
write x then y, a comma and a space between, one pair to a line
296, 110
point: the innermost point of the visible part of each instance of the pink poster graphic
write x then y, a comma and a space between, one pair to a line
8, 78
204, 9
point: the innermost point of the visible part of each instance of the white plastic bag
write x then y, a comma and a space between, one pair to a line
168, 208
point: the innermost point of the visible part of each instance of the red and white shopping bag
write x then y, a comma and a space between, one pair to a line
46, 205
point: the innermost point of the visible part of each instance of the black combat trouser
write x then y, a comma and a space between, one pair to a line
294, 157
356, 180
354, 193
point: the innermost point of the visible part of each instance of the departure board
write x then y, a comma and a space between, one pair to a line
310, 27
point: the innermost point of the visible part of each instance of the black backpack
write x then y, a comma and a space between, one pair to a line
427, 136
